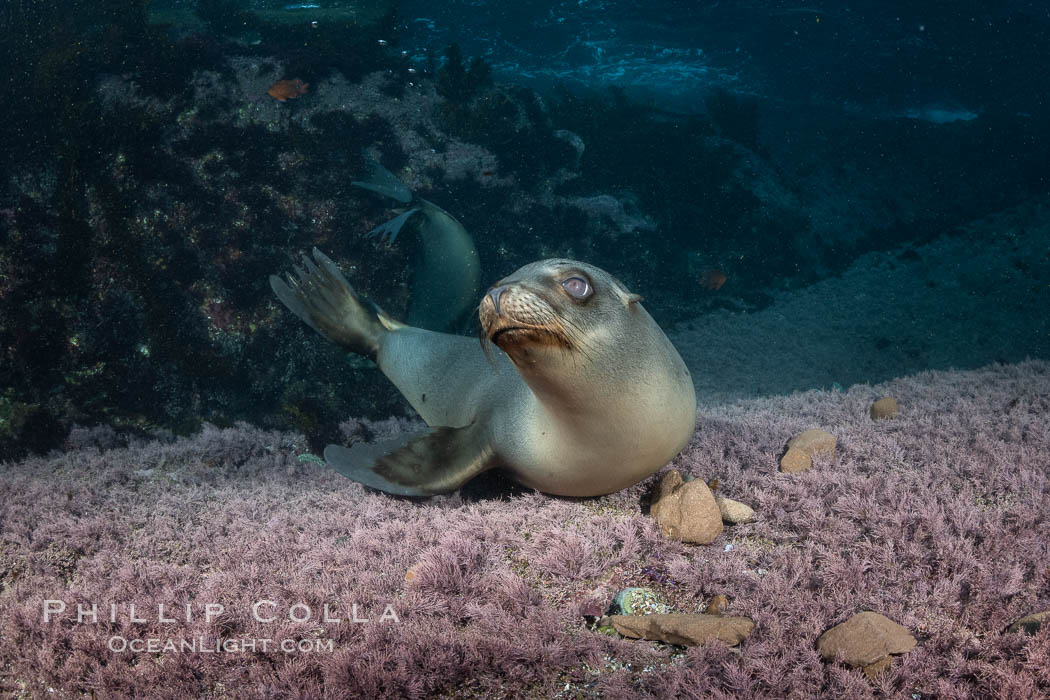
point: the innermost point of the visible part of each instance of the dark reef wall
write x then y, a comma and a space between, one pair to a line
156, 185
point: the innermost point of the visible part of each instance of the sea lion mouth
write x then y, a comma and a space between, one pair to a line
505, 330
516, 334
513, 335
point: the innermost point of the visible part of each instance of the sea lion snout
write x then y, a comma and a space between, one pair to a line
494, 295
513, 315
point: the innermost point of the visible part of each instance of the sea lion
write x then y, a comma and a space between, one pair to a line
446, 274
586, 397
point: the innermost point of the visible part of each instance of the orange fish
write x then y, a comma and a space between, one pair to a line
284, 90
713, 279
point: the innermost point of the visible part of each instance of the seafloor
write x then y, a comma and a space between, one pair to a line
939, 519
156, 187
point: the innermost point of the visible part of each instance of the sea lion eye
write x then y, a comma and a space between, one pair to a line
577, 287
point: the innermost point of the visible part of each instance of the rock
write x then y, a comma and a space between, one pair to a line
668, 484
795, 461
813, 441
802, 447
872, 670
590, 611
681, 628
1029, 624
885, 407
717, 606
686, 511
734, 512
637, 601
865, 640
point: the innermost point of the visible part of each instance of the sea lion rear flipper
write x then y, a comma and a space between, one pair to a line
382, 181
388, 231
320, 295
416, 464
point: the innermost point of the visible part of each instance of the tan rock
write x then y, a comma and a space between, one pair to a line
795, 461
686, 511
670, 482
717, 606
813, 441
681, 628
883, 664
734, 512
864, 639
802, 447
884, 408
1029, 624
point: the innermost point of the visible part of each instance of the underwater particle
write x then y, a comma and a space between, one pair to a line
713, 279
284, 90
884, 408
637, 601
143, 350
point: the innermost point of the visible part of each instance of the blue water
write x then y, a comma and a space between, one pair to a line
885, 57
765, 174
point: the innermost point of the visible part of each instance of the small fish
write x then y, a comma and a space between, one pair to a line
713, 279
284, 90
382, 42
301, 6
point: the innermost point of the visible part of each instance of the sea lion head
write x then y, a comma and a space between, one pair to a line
557, 309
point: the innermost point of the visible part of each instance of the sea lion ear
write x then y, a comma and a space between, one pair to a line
626, 296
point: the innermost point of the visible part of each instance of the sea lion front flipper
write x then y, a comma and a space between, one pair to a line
320, 295
416, 464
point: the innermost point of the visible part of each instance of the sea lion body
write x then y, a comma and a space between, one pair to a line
587, 397
446, 273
